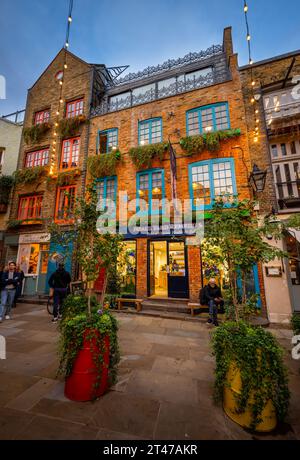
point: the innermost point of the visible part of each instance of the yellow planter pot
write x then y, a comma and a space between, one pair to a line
269, 420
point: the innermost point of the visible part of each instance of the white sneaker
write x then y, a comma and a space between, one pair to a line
7, 317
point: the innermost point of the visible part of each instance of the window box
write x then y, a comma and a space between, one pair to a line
143, 155
211, 141
30, 175
104, 165
34, 134
70, 127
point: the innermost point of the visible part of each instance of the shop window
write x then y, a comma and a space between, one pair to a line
150, 131
151, 188
30, 207
127, 268
208, 118
65, 203
41, 117
37, 158
74, 108
70, 153
211, 180
107, 140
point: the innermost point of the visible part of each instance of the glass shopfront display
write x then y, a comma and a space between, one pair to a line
127, 268
293, 249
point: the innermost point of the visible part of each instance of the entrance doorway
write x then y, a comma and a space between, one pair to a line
293, 249
168, 275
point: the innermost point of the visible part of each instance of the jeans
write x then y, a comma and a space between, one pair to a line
6, 295
59, 296
213, 310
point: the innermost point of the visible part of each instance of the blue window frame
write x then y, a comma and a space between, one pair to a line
252, 285
107, 140
106, 188
208, 118
150, 186
211, 179
150, 131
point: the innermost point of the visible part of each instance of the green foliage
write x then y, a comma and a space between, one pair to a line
30, 175
295, 321
259, 358
208, 141
143, 155
34, 134
15, 223
67, 178
241, 243
104, 164
96, 327
6, 184
69, 127
293, 222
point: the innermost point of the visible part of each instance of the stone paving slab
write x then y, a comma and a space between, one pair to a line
164, 389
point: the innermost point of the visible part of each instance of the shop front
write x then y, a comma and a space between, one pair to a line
33, 255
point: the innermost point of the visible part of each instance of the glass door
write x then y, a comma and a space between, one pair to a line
177, 268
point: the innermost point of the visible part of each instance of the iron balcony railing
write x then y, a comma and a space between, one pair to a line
281, 104
288, 194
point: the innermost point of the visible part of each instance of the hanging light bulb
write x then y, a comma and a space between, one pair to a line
248, 37
70, 19
65, 66
250, 62
60, 82
57, 112
253, 83
256, 111
246, 8
252, 100
67, 44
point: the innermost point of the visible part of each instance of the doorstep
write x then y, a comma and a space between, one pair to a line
201, 318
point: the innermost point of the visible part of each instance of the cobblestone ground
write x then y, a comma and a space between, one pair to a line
164, 390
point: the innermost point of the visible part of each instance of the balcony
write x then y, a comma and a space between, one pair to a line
281, 108
288, 195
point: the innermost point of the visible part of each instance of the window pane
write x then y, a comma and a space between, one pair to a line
143, 94
201, 184
222, 178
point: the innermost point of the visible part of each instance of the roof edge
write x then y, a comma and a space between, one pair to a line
266, 61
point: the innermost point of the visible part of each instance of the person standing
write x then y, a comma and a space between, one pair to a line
213, 298
10, 280
59, 281
20, 285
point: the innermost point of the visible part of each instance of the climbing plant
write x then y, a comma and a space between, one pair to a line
6, 184
69, 127
30, 175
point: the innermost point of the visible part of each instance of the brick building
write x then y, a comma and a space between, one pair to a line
277, 150
196, 95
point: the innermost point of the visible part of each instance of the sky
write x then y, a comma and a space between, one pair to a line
133, 32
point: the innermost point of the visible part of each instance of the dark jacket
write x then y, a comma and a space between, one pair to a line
5, 281
59, 279
210, 293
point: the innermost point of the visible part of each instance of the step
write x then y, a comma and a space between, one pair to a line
164, 315
165, 306
33, 300
167, 300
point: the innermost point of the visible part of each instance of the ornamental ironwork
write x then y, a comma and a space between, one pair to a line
189, 58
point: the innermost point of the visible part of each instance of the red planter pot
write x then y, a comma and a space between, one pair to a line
82, 384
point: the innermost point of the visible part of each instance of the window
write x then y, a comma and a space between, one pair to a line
274, 151
107, 189
208, 118
283, 150
30, 207
74, 108
293, 148
108, 140
150, 131
210, 180
143, 94
65, 203
150, 186
70, 153
37, 158
120, 101
41, 117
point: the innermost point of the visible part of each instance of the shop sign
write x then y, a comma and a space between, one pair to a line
28, 238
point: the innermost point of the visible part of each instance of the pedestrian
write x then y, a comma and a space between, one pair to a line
211, 295
10, 279
59, 281
20, 284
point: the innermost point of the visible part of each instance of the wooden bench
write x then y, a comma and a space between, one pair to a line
196, 306
138, 303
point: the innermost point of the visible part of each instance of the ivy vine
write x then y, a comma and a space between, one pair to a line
69, 127
259, 358
143, 155
296, 323
209, 141
104, 164
34, 134
6, 184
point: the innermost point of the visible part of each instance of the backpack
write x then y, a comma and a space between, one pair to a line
202, 297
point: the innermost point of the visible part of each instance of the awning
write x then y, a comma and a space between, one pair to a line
294, 233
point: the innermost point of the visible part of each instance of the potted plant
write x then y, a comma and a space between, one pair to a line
88, 343
251, 379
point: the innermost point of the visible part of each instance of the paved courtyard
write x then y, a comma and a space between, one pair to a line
164, 390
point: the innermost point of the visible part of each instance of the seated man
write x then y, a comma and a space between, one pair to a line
213, 298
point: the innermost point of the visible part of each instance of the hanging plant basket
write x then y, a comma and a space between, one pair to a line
210, 141
69, 127
67, 178
143, 155
104, 164
35, 133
